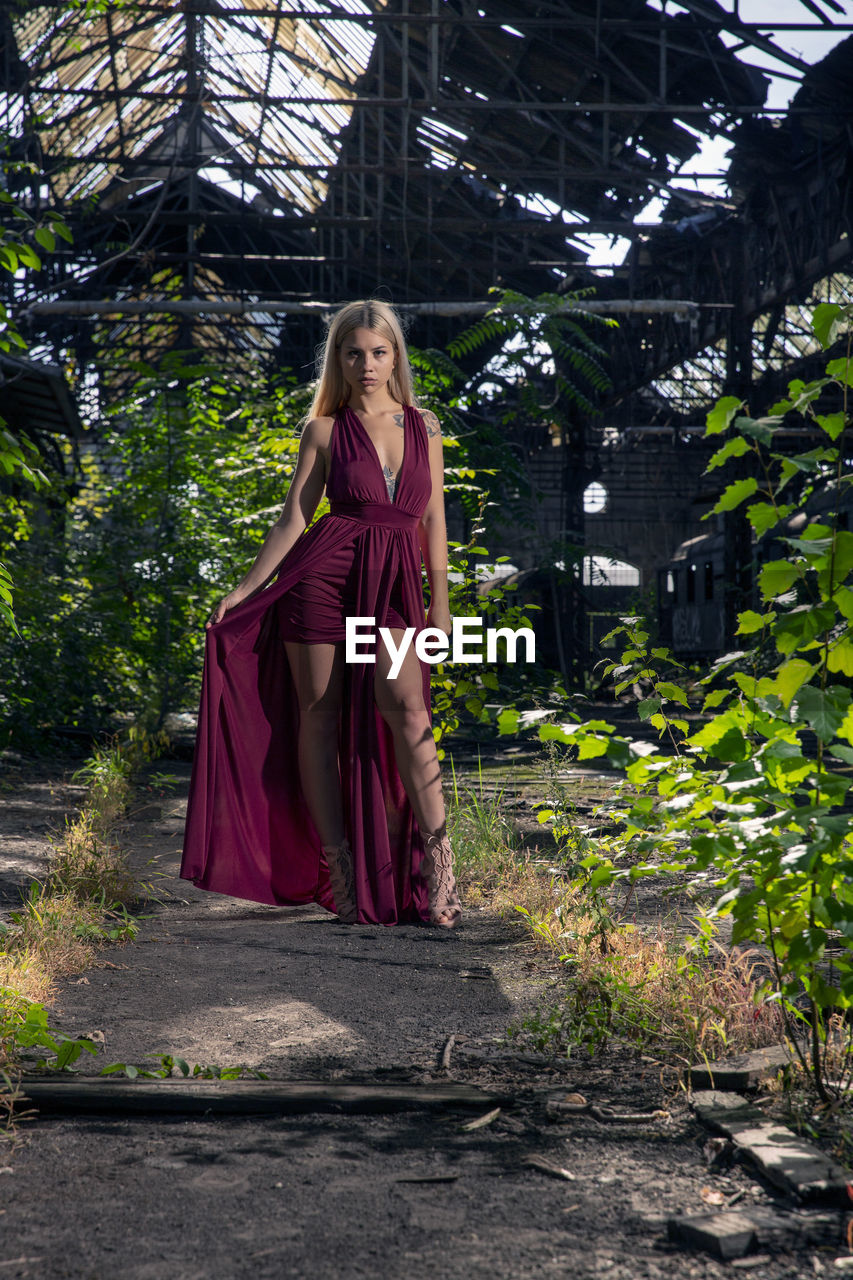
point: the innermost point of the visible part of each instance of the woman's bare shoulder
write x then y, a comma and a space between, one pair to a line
318, 431
431, 422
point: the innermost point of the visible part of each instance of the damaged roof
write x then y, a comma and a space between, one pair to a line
322, 150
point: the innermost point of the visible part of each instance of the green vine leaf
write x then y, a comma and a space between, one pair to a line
790, 677
749, 621
671, 691
823, 710
839, 658
832, 423
760, 429
841, 370
736, 493
719, 418
764, 515
826, 322
801, 625
734, 448
777, 577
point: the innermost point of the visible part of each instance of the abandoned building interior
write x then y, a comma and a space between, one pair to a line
231, 171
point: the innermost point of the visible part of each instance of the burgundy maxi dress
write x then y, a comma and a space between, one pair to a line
248, 830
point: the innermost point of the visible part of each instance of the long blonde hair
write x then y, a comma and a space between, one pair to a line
331, 390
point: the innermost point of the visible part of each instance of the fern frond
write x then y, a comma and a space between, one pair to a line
486, 329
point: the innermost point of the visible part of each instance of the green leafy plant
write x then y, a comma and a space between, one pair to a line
551, 332
171, 1066
750, 806
643, 987
24, 1027
22, 236
82, 902
155, 525
472, 690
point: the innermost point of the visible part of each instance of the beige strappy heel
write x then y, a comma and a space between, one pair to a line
445, 909
342, 880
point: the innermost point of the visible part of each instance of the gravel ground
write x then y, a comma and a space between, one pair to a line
295, 994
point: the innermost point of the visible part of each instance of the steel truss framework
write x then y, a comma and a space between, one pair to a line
427, 149
787, 242
253, 151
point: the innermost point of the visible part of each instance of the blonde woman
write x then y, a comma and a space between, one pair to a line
315, 778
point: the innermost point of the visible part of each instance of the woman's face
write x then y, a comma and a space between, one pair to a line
367, 360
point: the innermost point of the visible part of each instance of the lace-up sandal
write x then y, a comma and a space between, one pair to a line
445, 909
342, 880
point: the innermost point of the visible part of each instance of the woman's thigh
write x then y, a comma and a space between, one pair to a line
318, 673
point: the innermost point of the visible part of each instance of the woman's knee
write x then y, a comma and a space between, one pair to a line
404, 710
321, 715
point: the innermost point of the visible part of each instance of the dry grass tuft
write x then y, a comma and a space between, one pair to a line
486, 847
22, 977
81, 903
52, 931
646, 985
85, 863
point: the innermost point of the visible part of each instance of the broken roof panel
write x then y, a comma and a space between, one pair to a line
101, 87
431, 147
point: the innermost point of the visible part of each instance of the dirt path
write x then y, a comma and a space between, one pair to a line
296, 994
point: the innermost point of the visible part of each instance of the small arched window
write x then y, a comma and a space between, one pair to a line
594, 498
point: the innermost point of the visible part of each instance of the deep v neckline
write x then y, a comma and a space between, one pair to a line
398, 479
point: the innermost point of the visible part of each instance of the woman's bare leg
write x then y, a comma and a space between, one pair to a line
401, 705
318, 671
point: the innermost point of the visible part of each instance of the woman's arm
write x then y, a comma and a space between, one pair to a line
432, 530
306, 489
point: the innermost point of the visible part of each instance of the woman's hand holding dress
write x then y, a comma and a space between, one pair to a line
227, 602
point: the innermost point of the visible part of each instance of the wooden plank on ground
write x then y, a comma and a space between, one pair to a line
785, 1159
247, 1097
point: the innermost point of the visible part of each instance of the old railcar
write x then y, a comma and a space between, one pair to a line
703, 586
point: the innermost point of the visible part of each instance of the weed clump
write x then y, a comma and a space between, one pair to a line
87, 865
486, 847
647, 987
81, 903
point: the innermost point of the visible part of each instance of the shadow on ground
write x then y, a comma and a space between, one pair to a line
414, 1195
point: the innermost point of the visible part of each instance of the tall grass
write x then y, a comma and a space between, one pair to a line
644, 985
83, 899
86, 863
486, 847
647, 986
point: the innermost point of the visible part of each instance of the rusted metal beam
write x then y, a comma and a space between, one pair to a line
236, 307
709, 19
477, 224
443, 103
